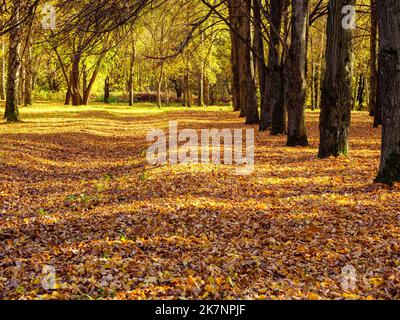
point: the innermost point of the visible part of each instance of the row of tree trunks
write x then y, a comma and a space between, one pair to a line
389, 79
316, 70
243, 83
296, 84
336, 99
14, 65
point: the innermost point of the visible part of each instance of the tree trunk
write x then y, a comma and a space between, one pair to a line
206, 91
213, 99
354, 94
188, 93
131, 72
178, 87
378, 107
68, 97
159, 90
275, 99
389, 78
2, 70
260, 64
312, 82
166, 91
200, 100
21, 85
373, 58
233, 19
88, 87
296, 80
28, 74
360, 92
336, 100
247, 84
74, 82
84, 82
14, 64
107, 90
319, 72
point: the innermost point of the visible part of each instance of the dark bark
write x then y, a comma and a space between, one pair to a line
107, 90
233, 19
84, 81
373, 58
296, 85
74, 82
313, 76
389, 79
275, 99
336, 100
247, 90
243, 82
68, 97
378, 106
260, 64
361, 92
178, 87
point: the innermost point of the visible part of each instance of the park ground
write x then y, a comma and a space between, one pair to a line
77, 194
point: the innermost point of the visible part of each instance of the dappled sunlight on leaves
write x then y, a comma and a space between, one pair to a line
76, 193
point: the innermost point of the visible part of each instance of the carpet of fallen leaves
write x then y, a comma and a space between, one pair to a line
77, 194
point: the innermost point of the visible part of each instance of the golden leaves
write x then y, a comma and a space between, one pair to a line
80, 197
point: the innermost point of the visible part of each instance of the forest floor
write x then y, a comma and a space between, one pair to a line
77, 194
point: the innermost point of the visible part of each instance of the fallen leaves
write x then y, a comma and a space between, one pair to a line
81, 197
